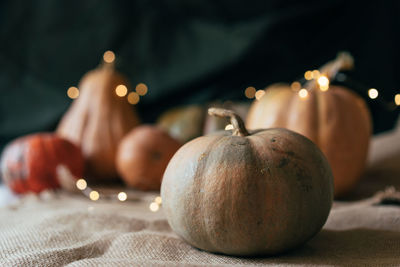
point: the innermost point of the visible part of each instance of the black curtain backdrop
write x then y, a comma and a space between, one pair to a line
186, 51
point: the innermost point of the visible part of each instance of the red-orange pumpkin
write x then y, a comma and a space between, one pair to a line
337, 120
32, 163
242, 193
143, 155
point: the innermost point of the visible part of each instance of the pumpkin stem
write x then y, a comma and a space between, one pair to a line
343, 61
107, 65
238, 125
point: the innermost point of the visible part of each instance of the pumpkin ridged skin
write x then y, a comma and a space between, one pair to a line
143, 155
97, 120
260, 194
29, 163
337, 120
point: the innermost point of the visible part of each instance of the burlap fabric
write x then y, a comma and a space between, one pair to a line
62, 229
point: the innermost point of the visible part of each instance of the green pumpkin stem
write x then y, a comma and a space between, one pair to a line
238, 125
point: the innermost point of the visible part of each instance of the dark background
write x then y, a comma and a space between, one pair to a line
187, 51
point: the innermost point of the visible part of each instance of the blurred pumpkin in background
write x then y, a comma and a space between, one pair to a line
98, 119
143, 154
183, 123
188, 122
38, 162
333, 117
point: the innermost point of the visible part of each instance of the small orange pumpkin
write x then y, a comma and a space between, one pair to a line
247, 193
143, 155
98, 120
32, 163
337, 120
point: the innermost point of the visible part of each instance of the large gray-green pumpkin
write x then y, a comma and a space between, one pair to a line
241, 193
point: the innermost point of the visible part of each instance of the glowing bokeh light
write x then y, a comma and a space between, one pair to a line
373, 93
308, 75
94, 195
296, 86
323, 81
121, 90
229, 127
259, 94
81, 184
397, 99
122, 196
141, 89
109, 56
303, 93
133, 98
73, 92
250, 92
158, 200
315, 74
154, 207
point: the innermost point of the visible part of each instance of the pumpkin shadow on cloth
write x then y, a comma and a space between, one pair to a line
356, 247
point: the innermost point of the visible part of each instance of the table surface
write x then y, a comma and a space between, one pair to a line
58, 229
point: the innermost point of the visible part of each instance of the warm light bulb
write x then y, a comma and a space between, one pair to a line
73, 92
308, 75
373, 93
94, 195
397, 99
229, 127
158, 200
296, 86
303, 93
259, 94
108, 56
324, 88
250, 92
323, 82
122, 196
141, 89
315, 74
121, 90
81, 184
154, 207
133, 98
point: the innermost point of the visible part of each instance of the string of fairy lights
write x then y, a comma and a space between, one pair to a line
121, 90
121, 196
323, 84
250, 92
133, 98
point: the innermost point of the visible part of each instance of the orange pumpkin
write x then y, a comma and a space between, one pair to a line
337, 120
247, 193
143, 155
32, 163
98, 120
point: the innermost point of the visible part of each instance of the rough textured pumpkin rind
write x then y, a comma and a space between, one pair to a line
261, 194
